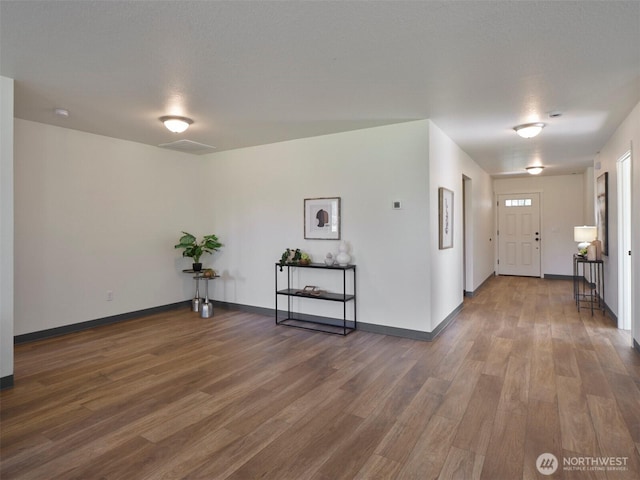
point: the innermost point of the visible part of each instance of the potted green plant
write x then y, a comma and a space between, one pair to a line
194, 249
290, 257
305, 259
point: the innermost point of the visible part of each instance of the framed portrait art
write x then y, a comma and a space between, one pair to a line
602, 197
445, 218
322, 218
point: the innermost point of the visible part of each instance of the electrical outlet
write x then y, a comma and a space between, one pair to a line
109, 295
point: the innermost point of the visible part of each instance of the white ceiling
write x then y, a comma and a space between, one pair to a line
251, 73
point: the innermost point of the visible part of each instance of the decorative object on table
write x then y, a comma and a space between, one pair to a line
209, 273
598, 245
290, 257
206, 310
284, 258
602, 201
311, 290
594, 251
194, 249
196, 303
329, 260
584, 236
322, 218
343, 256
305, 259
445, 218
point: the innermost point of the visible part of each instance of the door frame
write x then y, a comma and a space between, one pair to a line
467, 232
496, 224
625, 263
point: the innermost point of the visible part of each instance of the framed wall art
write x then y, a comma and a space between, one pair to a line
445, 218
602, 197
322, 218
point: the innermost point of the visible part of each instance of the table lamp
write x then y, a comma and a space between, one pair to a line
584, 236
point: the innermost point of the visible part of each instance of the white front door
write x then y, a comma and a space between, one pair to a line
519, 234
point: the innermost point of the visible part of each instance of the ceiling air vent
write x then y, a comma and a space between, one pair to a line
187, 146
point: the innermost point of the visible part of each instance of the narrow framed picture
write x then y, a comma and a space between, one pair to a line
445, 218
322, 218
602, 196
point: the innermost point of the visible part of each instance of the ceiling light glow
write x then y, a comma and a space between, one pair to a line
61, 112
535, 170
529, 130
175, 123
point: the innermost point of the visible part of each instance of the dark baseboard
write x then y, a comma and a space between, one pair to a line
282, 314
6, 382
333, 322
447, 321
474, 293
362, 326
411, 334
78, 327
395, 331
365, 327
552, 276
636, 345
613, 316
243, 308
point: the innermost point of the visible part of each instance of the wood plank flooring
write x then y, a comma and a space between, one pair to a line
518, 373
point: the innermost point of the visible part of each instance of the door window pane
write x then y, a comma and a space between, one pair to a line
518, 202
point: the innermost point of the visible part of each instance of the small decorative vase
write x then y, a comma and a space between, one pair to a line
196, 303
343, 257
329, 260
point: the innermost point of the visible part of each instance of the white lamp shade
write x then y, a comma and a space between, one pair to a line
585, 234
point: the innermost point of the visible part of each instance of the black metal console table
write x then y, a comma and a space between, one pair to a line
588, 283
342, 326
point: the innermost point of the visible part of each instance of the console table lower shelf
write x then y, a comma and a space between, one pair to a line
308, 322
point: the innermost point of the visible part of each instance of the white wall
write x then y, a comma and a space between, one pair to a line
6, 227
626, 137
257, 196
447, 165
562, 209
589, 197
94, 214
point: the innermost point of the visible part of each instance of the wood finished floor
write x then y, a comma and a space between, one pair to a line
518, 373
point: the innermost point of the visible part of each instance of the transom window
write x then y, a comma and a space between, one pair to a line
518, 202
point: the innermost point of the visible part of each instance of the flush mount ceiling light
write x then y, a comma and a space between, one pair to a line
61, 112
529, 130
534, 170
176, 124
